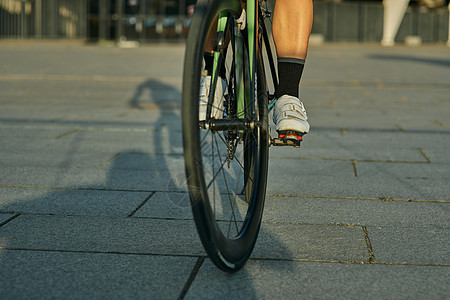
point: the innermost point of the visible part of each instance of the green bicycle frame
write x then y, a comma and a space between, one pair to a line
242, 94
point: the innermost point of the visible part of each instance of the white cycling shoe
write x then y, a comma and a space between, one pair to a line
217, 109
290, 116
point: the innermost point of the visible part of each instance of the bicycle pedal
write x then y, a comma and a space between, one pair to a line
288, 138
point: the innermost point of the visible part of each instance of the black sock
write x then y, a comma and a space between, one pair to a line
289, 74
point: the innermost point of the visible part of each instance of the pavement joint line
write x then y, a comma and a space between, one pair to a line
167, 218
183, 219
352, 160
82, 128
29, 126
400, 128
375, 84
108, 160
180, 219
392, 130
140, 79
84, 216
77, 188
98, 252
354, 168
85, 78
66, 133
350, 262
142, 204
369, 245
424, 155
440, 123
312, 224
190, 280
267, 195
116, 129
359, 198
26, 137
9, 219
204, 256
318, 128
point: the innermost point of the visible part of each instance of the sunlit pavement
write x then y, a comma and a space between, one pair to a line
92, 201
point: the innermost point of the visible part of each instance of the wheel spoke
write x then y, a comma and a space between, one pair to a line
233, 215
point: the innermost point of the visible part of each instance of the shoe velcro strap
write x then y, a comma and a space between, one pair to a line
295, 115
295, 108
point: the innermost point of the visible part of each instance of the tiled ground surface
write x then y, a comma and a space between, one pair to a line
91, 161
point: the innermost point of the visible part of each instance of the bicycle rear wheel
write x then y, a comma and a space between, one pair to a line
226, 155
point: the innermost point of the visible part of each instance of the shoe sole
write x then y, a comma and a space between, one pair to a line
288, 138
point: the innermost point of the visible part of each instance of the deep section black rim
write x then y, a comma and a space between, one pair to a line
227, 194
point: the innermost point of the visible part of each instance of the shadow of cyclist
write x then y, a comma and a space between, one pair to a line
140, 182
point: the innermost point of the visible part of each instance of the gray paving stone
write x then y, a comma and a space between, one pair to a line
370, 63
152, 173
71, 157
411, 181
158, 136
308, 280
101, 234
15, 132
313, 242
103, 119
56, 275
167, 206
172, 205
19, 145
177, 237
301, 167
346, 119
163, 107
337, 179
341, 95
278, 240
428, 245
70, 202
354, 211
438, 154
81, 60
97, 140
402, 172
54, 159
144, 161
356, 145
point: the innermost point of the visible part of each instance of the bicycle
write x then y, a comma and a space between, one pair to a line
226, 153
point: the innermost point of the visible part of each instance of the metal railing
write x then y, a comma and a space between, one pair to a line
43, 19
140, 20
150, 20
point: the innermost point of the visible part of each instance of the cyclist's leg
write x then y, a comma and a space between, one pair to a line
292, 23
291, 30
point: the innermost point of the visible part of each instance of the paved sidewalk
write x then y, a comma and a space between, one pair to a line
91, 164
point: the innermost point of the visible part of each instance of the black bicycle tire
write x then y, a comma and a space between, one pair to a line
229, 254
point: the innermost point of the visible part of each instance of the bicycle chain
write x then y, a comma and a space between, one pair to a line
231, 135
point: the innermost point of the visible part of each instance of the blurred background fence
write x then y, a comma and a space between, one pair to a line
43, 18
163, 20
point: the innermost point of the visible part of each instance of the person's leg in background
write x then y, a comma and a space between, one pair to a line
292, 22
